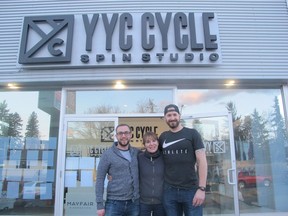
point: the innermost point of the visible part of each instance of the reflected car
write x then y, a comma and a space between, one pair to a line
249, 179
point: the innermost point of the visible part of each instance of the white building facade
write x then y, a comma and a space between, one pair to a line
70, 71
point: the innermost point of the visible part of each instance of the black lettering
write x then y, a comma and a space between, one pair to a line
137, 132
132, 130
127, 19
180, 21
142, 131
155, 129
89, 29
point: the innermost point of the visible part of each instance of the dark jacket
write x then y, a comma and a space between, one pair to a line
151, 177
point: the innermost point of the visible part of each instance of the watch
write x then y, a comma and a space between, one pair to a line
201, 188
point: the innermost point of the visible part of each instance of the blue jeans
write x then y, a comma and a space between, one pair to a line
122, 208
178, 201
156, 209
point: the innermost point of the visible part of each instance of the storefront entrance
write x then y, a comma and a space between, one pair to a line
86, 138
221, 189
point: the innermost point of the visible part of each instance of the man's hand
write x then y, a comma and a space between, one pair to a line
198, 198
101, 212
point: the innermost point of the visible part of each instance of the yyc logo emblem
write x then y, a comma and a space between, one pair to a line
46, 39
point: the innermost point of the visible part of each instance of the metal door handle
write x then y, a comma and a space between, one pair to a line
230, 171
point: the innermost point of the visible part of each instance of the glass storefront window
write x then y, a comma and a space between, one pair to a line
260, 139
118, 101
29, 125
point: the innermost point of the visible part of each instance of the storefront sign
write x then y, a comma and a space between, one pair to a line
139, 126
120, 39
80, 203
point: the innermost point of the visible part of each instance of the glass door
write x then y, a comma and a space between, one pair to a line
85, 140
217, 132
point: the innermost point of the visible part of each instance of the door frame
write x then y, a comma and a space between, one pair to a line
232, 172
60, 176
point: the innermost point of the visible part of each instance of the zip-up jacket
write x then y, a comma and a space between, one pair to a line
124, 184
151, 172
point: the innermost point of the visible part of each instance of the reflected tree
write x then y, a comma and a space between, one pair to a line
278, 123
278, 149
237, 129
10, 123
197, 124
260, 136
103, 109
15, 125
32, 128
4, 111
147, 106
91, 130
247, 135
4, 118
277, 146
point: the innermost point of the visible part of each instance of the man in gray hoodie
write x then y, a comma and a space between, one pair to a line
119, 162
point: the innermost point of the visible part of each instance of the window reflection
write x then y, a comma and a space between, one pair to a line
28, 147
260, 139
120, 101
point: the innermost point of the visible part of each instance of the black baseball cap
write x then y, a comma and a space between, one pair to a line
171, 108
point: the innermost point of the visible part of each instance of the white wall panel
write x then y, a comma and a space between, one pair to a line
253, 36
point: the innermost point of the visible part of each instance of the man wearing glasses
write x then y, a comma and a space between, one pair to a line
120, 163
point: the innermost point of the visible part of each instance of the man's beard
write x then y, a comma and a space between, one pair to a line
123, 144
173, 124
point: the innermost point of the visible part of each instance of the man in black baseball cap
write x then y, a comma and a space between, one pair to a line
171, 108
182, 147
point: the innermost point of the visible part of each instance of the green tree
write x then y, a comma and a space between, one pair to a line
4, 117
15, 125
32, 128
